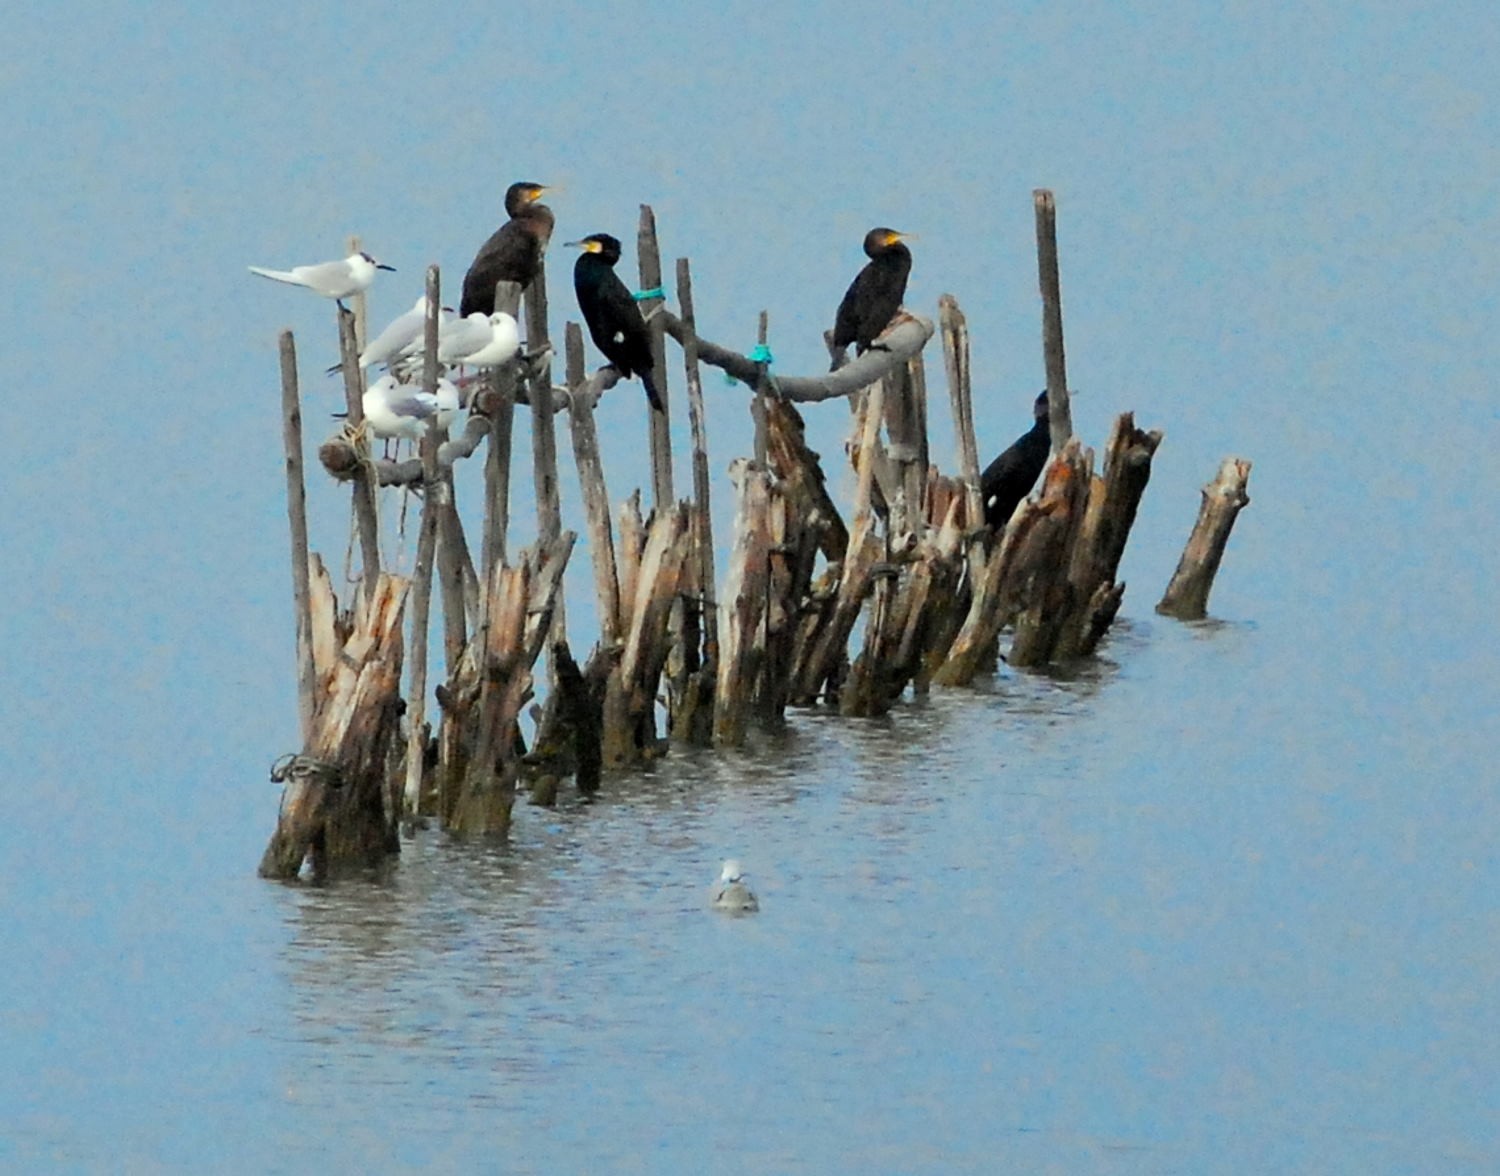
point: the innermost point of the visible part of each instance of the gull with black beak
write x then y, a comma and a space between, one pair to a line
332, 279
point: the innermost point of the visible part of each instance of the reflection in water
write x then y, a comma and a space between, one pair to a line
1013, 927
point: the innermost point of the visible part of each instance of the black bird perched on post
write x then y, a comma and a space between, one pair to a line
514, 251
613, 317
1010, 477
875, 294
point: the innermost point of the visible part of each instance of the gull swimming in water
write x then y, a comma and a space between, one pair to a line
332, 279
732, 893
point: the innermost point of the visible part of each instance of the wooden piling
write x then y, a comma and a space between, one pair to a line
758, 408
336, 806
433, 503
296, 509
1186, 597
692, 688
543, 429
1114, 497
648, 258
1061, 414
499, 407
955, 329
742, 602
595, 493
365, 515
520, 615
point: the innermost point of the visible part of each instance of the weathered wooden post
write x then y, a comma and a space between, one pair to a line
595, 492
433, 486
296, 509
500, 408
336, 806
758, 406
1186, 597
543, 430
648, 258
364, 483
692, 715
1061, 414
1114, 497
955, 331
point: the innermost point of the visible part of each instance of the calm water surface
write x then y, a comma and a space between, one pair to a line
1178, 910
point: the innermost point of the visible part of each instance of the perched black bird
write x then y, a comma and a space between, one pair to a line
875, 294
1010, 477
613, 317
514, 251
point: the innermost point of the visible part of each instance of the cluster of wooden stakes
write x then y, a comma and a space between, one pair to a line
935, 586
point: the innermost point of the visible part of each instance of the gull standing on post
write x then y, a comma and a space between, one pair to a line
332, 279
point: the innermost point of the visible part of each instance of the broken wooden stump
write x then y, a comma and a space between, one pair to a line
522, 602
339, 805
1186, 597
1114, 497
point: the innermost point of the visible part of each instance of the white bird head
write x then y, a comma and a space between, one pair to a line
731, 872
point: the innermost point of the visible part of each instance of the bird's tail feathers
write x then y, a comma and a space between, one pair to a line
276, 275
651, 393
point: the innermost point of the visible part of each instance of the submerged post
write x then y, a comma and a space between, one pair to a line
296, 509
1186, 597
1052, 328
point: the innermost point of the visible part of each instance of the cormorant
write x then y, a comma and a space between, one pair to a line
875, 294
514, 251
1010, 477
613, 316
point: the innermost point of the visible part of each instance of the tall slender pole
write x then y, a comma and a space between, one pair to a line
433, 493
364, 485
762, 386
296, 510
497, 458
1052, 328
703, 515
544, 440
648, 257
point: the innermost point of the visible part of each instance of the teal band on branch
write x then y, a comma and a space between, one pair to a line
654, 292
761, 354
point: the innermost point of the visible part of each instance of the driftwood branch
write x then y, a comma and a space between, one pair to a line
900, 342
